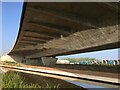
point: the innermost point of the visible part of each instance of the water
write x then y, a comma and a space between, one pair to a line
85, 85
92, 86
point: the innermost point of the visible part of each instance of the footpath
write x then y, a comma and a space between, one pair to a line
111, 78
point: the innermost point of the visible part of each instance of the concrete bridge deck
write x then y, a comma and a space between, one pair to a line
50, 29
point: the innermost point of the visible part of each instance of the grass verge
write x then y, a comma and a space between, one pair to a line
15, 80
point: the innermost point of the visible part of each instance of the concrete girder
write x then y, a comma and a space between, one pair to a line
41, 28
34, 38
36, 41
52, 28
27, 42
90, 25
78, 36
112, 6
80, 40
37, 37
43, 33
29, 47
64, 15
27, 33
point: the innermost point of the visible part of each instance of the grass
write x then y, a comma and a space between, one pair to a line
15, 80
1, 80
93, 67
18, 80
12, 63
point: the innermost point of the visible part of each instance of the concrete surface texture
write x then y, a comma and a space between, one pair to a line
52, 29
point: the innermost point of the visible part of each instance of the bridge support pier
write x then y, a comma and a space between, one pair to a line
48, 61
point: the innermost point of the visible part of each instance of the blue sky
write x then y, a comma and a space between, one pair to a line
105, 54
0, 28
11, 13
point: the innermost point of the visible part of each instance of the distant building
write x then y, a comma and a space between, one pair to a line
110, 62
83, 62
103, 61
76, 62
72, 63
63, 62
117, 62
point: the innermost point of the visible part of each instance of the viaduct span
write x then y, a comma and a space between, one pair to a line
50, 29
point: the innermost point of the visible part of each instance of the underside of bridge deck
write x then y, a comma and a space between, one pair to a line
59, 28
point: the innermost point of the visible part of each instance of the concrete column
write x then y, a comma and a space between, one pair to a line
48, 61
36, 61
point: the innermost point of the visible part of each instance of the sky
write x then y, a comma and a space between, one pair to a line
10, 14
0, 28
104, 54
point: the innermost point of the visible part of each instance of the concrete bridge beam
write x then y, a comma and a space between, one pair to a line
92, 39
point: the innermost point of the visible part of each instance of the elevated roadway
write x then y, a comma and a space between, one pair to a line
50, 29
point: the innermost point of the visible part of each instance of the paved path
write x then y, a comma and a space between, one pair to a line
86, 72
66, 73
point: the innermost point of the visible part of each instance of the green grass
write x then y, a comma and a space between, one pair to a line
12, 63
1, 80
15, 80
